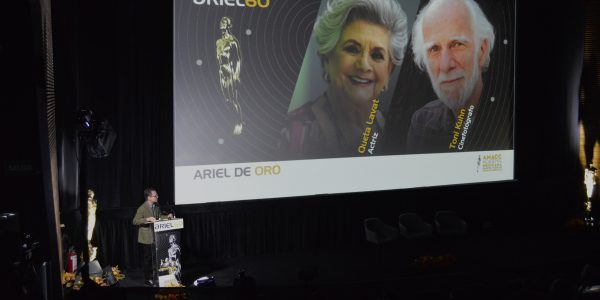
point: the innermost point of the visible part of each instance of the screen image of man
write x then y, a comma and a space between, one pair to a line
452, 42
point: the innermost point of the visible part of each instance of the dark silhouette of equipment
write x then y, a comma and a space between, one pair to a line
97, 136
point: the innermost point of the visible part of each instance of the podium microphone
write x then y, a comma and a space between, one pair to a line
171, 209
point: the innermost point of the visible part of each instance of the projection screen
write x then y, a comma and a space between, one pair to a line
378, 95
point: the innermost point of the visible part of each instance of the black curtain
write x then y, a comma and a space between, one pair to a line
115, 59
215, 232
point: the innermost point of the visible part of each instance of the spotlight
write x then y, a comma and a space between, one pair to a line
86, 120
97, 135
205, 281
102, 139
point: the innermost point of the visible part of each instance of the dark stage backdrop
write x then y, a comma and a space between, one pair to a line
115, 58
217, 231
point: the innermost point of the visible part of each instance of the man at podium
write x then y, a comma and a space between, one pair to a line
145, 215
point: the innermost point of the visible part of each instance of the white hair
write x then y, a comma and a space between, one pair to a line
482, 29
339, 13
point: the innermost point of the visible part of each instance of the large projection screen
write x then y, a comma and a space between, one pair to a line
392, 95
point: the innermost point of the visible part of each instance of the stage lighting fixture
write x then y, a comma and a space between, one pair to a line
205, 281
101, 140
86, 119
97, 135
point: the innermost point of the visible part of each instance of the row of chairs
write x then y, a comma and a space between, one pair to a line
412, 226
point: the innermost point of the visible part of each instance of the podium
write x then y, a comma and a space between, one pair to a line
166, 255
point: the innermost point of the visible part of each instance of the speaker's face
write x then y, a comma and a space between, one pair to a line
153, 198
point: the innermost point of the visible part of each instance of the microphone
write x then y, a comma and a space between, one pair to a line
171, 209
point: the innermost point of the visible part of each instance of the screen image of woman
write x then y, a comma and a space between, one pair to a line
359, 42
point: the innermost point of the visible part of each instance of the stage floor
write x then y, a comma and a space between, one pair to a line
525, 263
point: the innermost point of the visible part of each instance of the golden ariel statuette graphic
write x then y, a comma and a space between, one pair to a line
229, 57
92, 206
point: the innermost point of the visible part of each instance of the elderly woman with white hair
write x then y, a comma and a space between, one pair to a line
359, 42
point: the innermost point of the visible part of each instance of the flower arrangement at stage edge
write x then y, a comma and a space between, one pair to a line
98, 280
117, 273
69, 280
67, 277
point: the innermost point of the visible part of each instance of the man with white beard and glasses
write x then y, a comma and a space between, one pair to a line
452, 41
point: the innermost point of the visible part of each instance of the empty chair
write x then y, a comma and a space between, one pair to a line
413, 227
448, 223
377, 232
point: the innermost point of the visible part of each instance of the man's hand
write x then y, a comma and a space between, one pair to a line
170, 216
150, 219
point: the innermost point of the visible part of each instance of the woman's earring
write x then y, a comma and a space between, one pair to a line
326, 77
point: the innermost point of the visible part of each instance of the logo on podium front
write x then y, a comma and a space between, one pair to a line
168, 225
